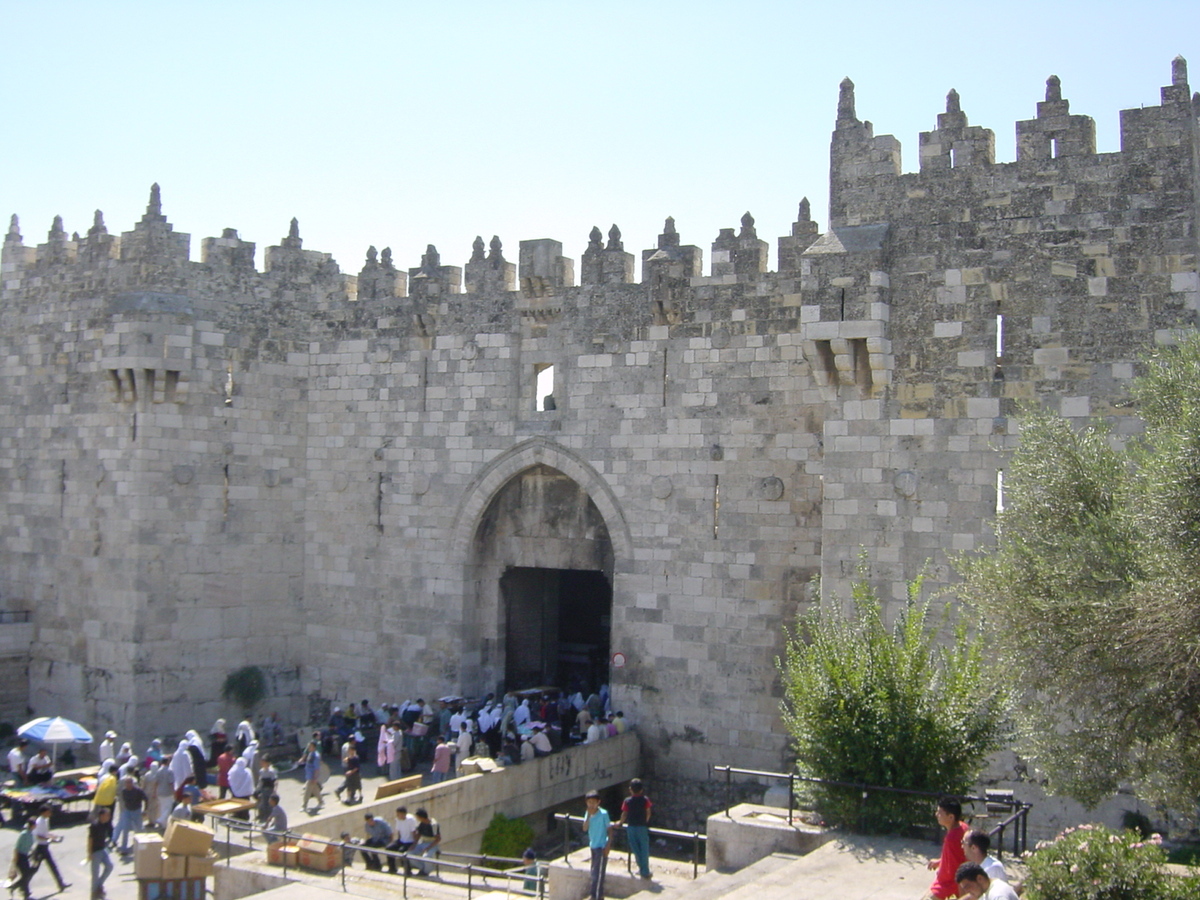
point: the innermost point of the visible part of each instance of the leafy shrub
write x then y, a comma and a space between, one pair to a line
246, 687
887, 708
1093, 863
506, 837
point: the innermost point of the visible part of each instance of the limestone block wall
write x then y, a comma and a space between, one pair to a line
204, 466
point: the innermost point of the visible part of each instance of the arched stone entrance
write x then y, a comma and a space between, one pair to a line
541, 559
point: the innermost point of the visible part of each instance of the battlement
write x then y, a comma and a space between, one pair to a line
867, 185
318, 470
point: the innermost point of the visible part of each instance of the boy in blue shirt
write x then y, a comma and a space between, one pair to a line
598, 825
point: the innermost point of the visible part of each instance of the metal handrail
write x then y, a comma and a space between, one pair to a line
241, 826
695, 837
1018, 817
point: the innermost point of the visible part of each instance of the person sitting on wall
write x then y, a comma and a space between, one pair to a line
975, 847
973, 882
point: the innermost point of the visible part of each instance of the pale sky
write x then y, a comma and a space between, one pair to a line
407, 123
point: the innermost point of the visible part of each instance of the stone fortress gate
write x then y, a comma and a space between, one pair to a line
357, 481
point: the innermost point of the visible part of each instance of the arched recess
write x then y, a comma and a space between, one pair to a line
537, 520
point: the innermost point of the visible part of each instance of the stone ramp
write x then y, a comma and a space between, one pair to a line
848, 868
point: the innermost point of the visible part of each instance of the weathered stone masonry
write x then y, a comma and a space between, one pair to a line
203, 465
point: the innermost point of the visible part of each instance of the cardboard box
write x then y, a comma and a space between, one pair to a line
201, 866
185, 838
318, 854
173, 866
279, 854
147, 856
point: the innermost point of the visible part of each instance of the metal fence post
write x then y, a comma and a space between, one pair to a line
791, 795
695, 855
728, 791
468, 881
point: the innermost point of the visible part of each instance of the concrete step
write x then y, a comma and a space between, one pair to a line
716, 883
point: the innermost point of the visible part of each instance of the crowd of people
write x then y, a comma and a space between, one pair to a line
139, 791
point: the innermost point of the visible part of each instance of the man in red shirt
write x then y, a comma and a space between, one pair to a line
224, 764
949, 816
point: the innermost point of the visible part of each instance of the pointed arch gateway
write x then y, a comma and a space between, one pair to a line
542, 538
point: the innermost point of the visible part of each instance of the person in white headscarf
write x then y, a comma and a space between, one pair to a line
251, 757
195, 749
107, 746
241, 781
521, 715
244, 735
181, 765
124, 754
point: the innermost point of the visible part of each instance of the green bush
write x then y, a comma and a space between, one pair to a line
1093, 863
506, 837
893, 708
246, 687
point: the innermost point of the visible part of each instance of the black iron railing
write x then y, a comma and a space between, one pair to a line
698, 841
477, 876
1015, 824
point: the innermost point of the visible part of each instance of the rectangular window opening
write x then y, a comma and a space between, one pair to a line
148, 387
954, 160
115, 375
828, 363
543, 388
132, 380
1055, 148
999, 346
999, 491
171, 387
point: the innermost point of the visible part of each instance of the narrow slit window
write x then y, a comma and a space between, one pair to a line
544, 387
132, 380
171, 386
954, 160
1055, 148
860, 356
148, 387
999, 491
716, 506
115, 375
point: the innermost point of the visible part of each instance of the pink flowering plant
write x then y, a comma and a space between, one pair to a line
1091, 862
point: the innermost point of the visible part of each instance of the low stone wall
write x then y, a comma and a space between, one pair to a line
464, 806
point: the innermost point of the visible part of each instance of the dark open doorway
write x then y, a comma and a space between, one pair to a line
558, 627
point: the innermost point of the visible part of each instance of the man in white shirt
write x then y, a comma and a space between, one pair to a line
405, 828
975, 846
45, 837
974, 883
16, 760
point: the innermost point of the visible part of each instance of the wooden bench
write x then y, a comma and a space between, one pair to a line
399, 786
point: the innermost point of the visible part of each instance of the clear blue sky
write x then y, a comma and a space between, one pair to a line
406, 123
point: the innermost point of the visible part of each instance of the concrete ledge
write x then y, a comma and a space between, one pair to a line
751, 832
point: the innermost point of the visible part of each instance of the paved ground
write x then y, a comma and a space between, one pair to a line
70, 854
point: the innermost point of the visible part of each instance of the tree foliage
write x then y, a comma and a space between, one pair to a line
1094, 586
887, 707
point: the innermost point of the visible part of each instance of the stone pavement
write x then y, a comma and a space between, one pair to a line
70, 854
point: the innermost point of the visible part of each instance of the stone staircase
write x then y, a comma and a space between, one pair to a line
848, 868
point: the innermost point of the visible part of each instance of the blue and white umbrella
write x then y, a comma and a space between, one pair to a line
55, 731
